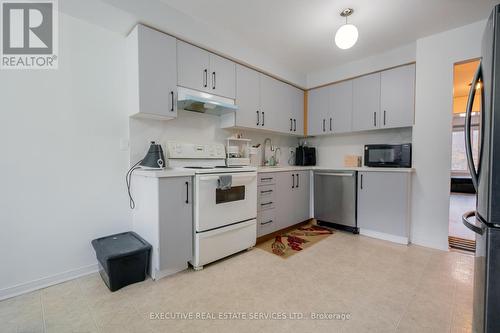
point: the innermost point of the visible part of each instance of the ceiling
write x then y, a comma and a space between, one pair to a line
286, 38
300, 34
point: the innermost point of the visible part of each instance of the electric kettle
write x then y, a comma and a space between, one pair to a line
154, 159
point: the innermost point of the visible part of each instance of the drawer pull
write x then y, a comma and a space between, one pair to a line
266, 203
266, 179
268, 191
263, 223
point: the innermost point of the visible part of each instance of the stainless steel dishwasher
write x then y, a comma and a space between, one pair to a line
335, 199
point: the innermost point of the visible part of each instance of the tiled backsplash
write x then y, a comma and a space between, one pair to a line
193, 127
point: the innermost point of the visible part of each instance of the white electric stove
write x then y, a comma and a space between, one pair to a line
225, 201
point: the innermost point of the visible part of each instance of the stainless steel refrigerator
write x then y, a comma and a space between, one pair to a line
485, 220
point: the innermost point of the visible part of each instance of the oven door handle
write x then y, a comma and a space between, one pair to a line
238, 179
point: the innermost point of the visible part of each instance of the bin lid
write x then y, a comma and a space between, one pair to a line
118, 245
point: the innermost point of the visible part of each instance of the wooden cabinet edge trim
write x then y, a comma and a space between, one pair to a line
306, 119
355, 77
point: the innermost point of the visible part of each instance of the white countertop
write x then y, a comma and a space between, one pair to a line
168, 172
364, 169
180, 172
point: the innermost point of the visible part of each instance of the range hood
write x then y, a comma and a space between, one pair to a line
197, 101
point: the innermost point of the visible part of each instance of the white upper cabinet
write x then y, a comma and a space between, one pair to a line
339, 119
293, 110
397, 104
201, 70
272, 104
192, 67
318, 105
153, 73
376, 101
366, 102
266, 103
247, 97
222, 76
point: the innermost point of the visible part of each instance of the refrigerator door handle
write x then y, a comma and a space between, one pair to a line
468, 119
473, 227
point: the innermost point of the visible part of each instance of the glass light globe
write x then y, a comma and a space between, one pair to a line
346, 36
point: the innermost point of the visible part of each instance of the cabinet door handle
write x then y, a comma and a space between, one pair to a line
324, 125
258, 118
295, 125
291, 124
293, 180
330, 124
187, 192
361, 181
375, 119
205, 78
297, 186
213, 80
263, 119
267, 222
172, 98
384, 117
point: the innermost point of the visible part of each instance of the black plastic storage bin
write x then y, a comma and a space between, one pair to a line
123, 259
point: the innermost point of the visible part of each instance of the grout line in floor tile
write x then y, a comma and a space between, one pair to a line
43, 312
454, 299
87, 305
414, 293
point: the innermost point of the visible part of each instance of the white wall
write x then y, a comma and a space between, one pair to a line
62, 168
332, 149
398, 56
432, 131
194, 127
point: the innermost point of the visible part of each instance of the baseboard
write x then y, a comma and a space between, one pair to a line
384, 236
27, 287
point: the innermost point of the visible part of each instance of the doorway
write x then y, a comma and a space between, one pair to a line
462, 193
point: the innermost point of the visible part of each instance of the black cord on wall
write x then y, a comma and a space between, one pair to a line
128, 180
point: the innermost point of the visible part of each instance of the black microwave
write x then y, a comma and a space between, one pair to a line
388, 156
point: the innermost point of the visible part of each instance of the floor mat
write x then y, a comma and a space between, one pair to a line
295, 240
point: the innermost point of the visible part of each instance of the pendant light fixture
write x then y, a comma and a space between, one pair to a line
347, 34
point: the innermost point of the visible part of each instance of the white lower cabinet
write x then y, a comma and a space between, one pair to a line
266, 222
163, 216
287, 204
384, 205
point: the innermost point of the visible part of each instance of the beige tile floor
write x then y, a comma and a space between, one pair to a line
384, 287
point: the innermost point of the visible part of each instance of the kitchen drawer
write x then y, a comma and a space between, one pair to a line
266, 222
266, 193
266, 197
266, 179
